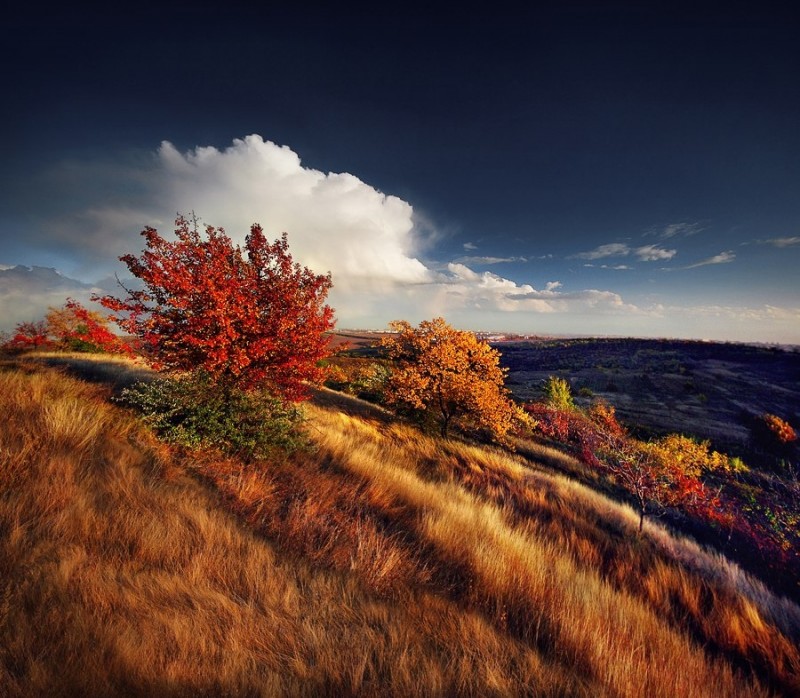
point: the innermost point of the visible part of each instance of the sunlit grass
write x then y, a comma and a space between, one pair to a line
383, 562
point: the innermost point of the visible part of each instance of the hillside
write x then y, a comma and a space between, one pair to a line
380, 562
711, 390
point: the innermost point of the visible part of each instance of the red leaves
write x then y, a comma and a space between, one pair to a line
249, 318
69, 327
667, 472
86, 329
29, 335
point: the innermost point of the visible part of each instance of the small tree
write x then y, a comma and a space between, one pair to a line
447, 374
636, 470
663, 473
247, 319
558, 393
29, 335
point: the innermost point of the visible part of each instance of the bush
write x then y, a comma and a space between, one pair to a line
558, 394
193, 412
780, 428
365, 379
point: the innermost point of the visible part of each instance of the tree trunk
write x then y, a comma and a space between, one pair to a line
444, 426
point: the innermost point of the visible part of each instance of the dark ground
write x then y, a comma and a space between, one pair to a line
709, 390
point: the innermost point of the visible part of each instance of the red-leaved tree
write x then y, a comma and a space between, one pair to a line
29, 335
247, 318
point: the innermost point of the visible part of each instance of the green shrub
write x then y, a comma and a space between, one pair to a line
196, 413
558, 393
370, 382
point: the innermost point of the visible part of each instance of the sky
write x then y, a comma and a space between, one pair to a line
586, 168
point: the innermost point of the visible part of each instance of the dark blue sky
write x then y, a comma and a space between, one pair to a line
592, 167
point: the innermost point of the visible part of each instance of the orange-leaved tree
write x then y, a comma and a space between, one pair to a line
247, 318
448, 374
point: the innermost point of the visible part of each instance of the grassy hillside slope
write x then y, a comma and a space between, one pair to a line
382, 562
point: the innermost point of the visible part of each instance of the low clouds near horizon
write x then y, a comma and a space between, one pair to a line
380, 252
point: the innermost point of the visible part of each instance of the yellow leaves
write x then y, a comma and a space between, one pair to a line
688, 456
448, 373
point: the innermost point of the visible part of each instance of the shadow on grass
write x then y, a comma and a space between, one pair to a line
350, 405
114, 373
118, 374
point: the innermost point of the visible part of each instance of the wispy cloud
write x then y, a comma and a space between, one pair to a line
613, 249
469, 246
721, 258
739, 313
645, 253
489, 260
576, 301
487, 291
616, 267
653, 253
782, 242
673, 230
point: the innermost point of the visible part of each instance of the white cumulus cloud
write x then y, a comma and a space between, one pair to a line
369, 241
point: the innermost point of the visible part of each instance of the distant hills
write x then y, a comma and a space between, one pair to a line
21, 279
27, 292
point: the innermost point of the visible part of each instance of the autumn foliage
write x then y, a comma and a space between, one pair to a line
29, 335
71, 327
246, 318
448, 374
780, 428
668, 472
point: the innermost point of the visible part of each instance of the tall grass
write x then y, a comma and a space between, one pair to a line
382, 563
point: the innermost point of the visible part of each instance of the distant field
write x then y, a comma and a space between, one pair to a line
709, 390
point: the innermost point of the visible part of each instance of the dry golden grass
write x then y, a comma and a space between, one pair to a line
382, 563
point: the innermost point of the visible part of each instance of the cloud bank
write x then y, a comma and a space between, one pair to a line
369, 241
